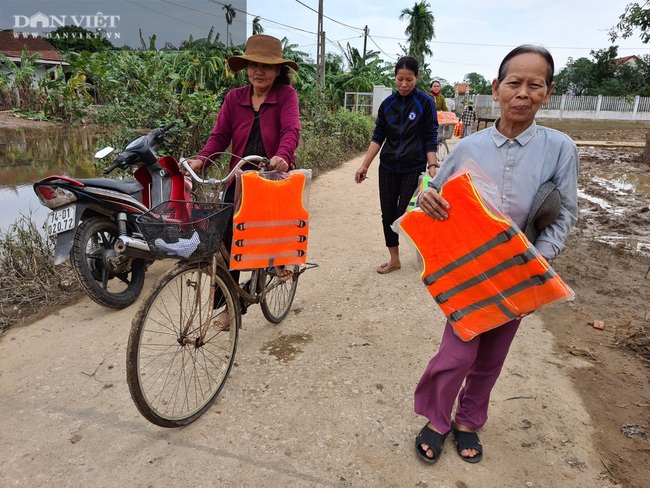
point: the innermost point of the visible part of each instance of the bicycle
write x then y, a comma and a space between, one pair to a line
445, 132
177, 360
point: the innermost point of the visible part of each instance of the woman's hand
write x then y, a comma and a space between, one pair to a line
278, 163
433, 204
196, 164
432, 169
360, 175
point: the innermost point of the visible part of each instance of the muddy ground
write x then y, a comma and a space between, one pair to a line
606, 264
339, 336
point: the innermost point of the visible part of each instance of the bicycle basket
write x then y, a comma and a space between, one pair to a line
445, 131
185, 229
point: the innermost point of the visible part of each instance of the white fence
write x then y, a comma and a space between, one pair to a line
574, 107
559, 107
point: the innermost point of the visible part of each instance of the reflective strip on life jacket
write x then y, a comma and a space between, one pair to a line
271, 226
269, 240
478, 265
422, 184
271, 223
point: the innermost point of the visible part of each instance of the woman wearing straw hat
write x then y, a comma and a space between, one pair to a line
262, 118
536, 172
259, 119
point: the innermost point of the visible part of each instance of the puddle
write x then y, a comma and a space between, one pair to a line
29, 154
285, 348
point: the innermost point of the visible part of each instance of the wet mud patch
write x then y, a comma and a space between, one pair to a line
286, 348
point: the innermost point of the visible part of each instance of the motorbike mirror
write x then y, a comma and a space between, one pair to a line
102, 153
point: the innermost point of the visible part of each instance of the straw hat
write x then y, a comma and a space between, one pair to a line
544, 211
260, 49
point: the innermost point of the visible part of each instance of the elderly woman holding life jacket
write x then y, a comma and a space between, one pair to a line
259, 119
519, 156
406, 131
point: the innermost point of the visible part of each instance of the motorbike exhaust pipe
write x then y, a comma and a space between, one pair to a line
129, 246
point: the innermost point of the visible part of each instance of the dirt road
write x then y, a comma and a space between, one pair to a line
323, 399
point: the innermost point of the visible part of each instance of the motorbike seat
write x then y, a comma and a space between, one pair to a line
129, 187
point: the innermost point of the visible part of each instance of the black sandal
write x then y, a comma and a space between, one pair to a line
467, 440
435, 441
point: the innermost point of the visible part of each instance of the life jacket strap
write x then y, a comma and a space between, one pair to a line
270, 257
517, 260
271, 223
498, 298
499, 239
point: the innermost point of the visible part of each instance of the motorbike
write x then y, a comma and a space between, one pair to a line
94, 220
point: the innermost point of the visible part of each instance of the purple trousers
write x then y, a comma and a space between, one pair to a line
478, 363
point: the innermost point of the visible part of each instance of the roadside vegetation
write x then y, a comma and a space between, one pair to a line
129, 90
29, 281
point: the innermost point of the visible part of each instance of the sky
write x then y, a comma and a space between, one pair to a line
472, 36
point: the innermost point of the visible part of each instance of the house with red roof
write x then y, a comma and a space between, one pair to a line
12, 45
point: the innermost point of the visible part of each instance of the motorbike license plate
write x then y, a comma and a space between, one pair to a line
60, 220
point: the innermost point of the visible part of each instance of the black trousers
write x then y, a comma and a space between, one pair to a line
395, 192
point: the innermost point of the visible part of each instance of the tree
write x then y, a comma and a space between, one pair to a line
22, 77
420, 30
480, 86
257, 27
575, 78
77, 39
231, 13
635, 16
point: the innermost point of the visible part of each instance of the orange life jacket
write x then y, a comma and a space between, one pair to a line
447, 118
478, 266
271, 226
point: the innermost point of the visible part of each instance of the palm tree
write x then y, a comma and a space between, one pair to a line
257, 27
230, 16
420, 29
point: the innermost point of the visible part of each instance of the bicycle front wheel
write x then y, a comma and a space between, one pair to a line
177, 359
278, 294
443, 151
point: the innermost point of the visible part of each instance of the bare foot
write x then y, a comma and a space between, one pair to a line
283, 274
222, 321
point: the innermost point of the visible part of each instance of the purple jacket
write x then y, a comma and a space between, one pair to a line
279, 124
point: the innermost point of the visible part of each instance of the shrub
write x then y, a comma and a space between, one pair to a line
29, 282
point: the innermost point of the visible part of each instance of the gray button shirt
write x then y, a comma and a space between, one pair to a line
518, 167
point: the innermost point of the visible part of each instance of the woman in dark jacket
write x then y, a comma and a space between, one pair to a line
406, 131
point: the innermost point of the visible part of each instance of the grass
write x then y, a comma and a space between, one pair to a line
29, 281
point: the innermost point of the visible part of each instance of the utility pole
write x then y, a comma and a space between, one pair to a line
366, 31
320, 48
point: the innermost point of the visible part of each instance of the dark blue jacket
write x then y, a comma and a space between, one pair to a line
407, 129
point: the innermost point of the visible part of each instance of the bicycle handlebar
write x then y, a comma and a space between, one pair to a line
169, 126
260, 161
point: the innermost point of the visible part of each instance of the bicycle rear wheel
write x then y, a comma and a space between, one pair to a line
278, 294
177, 360
443, 151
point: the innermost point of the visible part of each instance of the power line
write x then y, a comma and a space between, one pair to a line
390, 56
474, 44
329, 18
166, 15
264, 19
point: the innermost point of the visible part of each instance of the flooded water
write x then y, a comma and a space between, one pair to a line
29, 154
